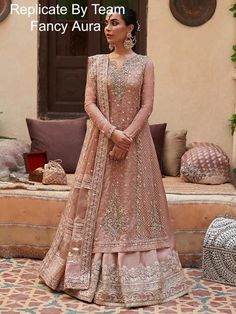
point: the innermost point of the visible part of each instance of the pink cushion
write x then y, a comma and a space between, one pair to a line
205, 163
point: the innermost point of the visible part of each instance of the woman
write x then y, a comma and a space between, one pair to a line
114, 244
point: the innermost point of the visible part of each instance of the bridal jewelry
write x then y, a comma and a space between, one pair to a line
139, 26
130, 41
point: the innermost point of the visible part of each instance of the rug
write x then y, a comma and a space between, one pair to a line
22, 292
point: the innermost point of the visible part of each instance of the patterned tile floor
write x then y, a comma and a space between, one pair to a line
21, 292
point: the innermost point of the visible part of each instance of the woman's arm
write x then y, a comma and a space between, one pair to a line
147, 99
91, 98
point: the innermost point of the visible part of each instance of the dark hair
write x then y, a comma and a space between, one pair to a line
130, 17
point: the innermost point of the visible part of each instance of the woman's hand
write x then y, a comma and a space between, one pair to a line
117, 153
122, 140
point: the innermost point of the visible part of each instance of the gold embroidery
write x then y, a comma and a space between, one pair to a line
140, 226
115, 219
141, 285
156, 223
88, 294
121, 81
82, 278
83, 181
119, 77
57, 263
133, 286
92, 67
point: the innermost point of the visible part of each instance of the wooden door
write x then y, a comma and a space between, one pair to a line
63, 57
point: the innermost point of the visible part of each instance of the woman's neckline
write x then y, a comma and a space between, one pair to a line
118, 64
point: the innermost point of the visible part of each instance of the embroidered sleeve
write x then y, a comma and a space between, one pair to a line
147, 99
90, 105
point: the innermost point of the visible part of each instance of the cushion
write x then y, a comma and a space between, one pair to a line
173, 149
205, 163
61, 139
158, 136
11, 156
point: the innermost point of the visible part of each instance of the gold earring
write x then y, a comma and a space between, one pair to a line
130, 41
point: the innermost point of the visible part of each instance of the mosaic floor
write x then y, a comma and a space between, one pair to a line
21, 292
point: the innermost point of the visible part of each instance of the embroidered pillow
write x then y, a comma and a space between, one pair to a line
205, 163
61, 139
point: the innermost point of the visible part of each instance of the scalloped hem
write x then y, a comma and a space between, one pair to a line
133, 279
147, 303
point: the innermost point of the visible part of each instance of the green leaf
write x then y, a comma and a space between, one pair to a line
233, 57
233, 8
233, 117
232, 121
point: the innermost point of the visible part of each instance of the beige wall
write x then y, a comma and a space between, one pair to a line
18, 74
194, 85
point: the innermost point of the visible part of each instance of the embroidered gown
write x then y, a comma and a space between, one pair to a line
114, 244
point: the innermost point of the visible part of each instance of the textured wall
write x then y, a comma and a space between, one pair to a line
18, 74
194, 85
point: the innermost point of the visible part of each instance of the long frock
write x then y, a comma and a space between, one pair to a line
114, 244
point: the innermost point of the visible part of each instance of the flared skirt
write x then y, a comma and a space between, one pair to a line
133, 279
133, 260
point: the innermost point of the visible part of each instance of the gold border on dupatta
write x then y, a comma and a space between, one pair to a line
99, 169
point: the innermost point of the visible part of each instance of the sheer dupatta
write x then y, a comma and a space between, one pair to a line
68, 260
67, 264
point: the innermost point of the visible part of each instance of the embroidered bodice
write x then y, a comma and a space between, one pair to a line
130, 91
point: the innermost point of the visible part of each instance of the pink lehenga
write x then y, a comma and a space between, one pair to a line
114, 244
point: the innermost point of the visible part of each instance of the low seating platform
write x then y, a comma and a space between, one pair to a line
29, 215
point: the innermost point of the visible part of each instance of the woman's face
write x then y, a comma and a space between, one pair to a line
115, 28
